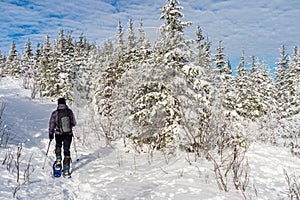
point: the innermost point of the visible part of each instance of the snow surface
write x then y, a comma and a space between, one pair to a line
113, 172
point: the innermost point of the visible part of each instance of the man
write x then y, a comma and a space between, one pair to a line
61, 122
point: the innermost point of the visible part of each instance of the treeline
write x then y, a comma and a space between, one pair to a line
173, 93
50, 71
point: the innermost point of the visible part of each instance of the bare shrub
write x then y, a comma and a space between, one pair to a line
8, 159
28, 170
2, 126
12, 160
229, 163
293, 186
17, 161
35, 89
104, 128
17, 188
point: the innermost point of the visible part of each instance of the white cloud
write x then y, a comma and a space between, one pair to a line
258, 26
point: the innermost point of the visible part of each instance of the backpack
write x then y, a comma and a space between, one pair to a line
64, 121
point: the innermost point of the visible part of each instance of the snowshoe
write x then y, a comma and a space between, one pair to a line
57, 169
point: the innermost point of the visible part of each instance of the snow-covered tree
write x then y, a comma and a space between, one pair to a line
2, 64
156, 112
221, 66
172, 49
82, 74
12, 62
94, 66
203, 55
292, 84
168, 88
26, 65
36, 87
152, 100
49, 71
131, 39
262, 84
111, 70
255, 90
282, 83
241, 68
120, 40
64, 54
143, 41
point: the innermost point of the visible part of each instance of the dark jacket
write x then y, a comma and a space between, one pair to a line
53, 123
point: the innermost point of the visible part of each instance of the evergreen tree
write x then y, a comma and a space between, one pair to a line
263, 90
66, 66
112, 70
37, 72
165, 95
143, 44
92, 74
282, 84
221, 66
143, 40
255, 90
172, 49
82, 75
12, 65
154, 99
131, 40
26, 65
49, 72
120, 40
293, 86
243, 87
203, 51
2, 64
62, 69
241, 69
224, 83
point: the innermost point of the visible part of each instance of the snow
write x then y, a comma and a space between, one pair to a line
116, 172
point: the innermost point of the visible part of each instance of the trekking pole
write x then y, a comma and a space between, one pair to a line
77, 159
47, 153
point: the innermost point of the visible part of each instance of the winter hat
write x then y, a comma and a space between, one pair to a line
61, 101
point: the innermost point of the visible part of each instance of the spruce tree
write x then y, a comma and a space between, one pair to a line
220, 62
82, 73
241, 69
282, 84
131, 39
2, 64
263, 90
49, 73
120, 41
166, 96
26, 65
203, 54
293, 86
172, 49
112, 70
37, 72
12, 63
143, 41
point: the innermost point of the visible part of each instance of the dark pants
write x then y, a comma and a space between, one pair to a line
64, 141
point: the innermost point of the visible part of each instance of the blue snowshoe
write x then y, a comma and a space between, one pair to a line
57, 168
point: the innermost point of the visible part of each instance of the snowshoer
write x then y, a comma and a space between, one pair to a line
61, 122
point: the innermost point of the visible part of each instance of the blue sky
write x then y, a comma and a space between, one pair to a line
259, 27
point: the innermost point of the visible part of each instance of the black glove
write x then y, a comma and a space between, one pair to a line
51, 136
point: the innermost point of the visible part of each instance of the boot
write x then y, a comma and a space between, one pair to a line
66, 171
58, 162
